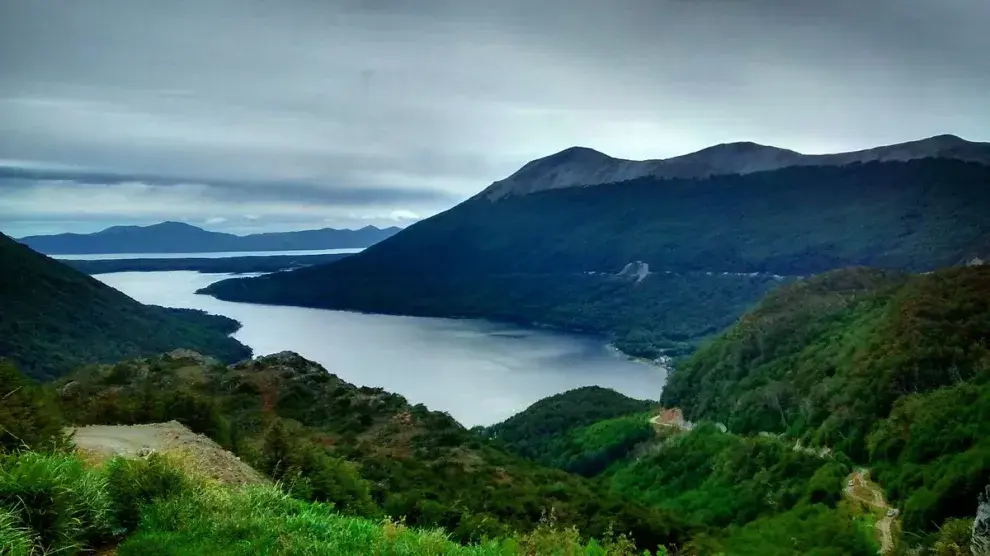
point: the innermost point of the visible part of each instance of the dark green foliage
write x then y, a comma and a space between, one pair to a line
414, 463
307, 471
30, 419
54, 319
933, 452
716, 479
134, 483
538, 431
592, 449
63, 505
527, 258
808, 530
232, 265
890, 369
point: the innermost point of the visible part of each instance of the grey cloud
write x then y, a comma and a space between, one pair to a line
392, 103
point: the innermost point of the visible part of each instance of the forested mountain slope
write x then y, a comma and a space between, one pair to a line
552, 256
54, 318
892, 369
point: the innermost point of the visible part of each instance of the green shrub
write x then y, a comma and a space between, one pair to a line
29, 418
308, 472
132, 483
62, 505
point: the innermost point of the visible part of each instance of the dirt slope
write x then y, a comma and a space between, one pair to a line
199, 454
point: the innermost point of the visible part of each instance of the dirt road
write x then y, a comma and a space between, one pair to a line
204, 457
859, 487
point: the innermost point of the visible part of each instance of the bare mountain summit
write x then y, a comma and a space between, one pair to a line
580, 166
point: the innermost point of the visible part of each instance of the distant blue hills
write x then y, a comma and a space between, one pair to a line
178, 237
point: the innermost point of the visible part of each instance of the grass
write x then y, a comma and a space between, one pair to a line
54, 504
264, 520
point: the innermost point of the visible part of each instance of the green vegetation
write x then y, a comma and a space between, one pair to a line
367, 451
890, 369
54, 319
233, 265
581, 431
30, 418
53, 503
527, 258
717, 479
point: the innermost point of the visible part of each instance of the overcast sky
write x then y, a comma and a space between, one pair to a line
244, 115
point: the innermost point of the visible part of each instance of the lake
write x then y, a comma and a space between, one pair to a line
208, 255
480, 372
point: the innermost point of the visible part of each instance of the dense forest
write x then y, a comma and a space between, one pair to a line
528, 258
890, 369
54, 318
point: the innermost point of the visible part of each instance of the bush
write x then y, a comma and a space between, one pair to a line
308, 472
55, 501
29, 418
133, 483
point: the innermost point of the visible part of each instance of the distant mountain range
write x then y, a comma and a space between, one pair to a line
177, 237
548, 244
580, 166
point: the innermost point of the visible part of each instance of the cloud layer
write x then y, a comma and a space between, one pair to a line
337, 112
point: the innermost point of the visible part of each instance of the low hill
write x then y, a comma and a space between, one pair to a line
539, 431
712, 246
54, 319
178, 237
892, 369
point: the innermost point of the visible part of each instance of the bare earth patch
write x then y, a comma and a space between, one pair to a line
198, 454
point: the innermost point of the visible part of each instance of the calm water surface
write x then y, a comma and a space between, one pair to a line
479, 372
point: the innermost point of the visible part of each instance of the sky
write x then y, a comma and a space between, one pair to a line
247, 115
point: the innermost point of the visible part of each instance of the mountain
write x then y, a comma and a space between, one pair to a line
579, 166
177, 237
712, 247
890, 368
54, 318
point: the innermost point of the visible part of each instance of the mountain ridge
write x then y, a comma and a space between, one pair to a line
180, 237
583, 166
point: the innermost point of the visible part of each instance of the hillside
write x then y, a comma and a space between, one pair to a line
892, 369
366, 450
713, 247
54, 318
544, 431
177, 237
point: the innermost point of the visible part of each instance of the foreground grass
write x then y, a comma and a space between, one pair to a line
53, 504
263, 520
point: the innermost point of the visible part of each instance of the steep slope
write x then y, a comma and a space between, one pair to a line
177, 237
552, 256
579, 166
291, 419
892, 369
54, 318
